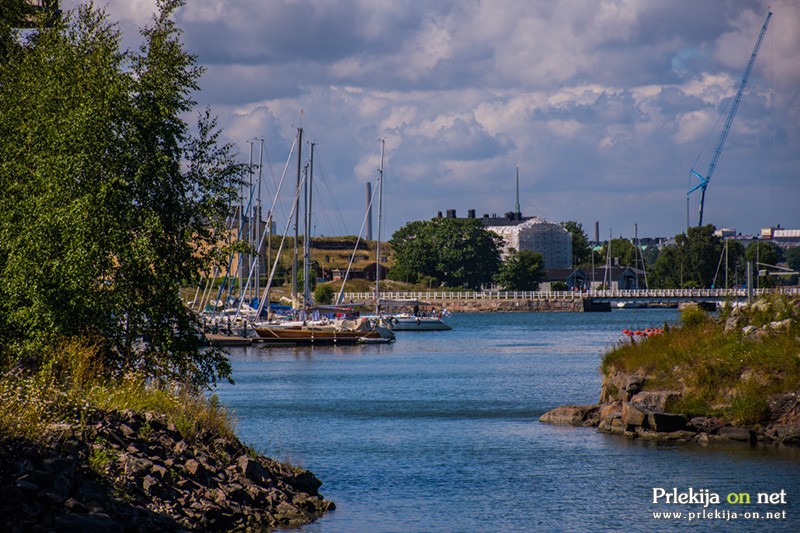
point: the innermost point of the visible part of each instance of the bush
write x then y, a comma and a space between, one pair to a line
323, 294
693, 316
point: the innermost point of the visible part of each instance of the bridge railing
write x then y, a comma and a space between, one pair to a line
641, 294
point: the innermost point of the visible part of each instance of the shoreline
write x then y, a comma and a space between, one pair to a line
626, 409
134, 472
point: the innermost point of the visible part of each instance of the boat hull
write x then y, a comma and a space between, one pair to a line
321, 335
418, 324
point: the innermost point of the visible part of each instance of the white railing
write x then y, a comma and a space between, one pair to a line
567, 295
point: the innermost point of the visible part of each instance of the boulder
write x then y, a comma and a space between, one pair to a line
634, 414
572, 415
667, 422
656, 400
736, 434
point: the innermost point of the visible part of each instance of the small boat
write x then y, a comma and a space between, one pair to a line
414, 315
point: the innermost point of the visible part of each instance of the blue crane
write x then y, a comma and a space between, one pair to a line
726, 128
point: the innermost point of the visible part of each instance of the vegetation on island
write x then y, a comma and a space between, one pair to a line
726, 366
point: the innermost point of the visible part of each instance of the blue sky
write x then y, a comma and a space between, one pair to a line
604, 105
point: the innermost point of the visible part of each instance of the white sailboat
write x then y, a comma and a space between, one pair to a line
408, 315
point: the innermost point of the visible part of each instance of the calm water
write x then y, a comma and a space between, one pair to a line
439, 432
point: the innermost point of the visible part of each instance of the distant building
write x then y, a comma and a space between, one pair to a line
576, 279
622, 278
782, 237
725, 233
529, 233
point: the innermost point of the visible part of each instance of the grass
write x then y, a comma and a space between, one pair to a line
69, 387
719, 374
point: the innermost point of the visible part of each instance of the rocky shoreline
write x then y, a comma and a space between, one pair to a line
626, 409
132, 472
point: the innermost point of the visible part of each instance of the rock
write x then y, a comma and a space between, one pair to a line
75, 506
656, 400
194, 468
667, 422
634, 415
149, 484
617, 426
737, 434
573, 415
252, 469
136, 466
93, 523
59, 489
781, 325
306, 482
27, 485
158, 472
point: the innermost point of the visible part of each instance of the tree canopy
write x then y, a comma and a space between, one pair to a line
521, 271
581, 251
453, 252
694, 261
110, 203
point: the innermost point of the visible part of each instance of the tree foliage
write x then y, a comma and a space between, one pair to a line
694, 261
521, 271
793, 258
623, 252
454, 252
110, 204
581, 251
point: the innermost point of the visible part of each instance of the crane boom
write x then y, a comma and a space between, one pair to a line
728, 121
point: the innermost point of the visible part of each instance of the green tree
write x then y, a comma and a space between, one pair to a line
691, 262
762, 253
110, 204
765, 253
793, 258
623, 252
521, 271
581, 251
455, 252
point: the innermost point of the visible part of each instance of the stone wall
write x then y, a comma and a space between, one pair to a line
506, 306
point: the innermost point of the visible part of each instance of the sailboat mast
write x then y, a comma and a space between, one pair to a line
257, 218
297, 215
378, 244
307, 235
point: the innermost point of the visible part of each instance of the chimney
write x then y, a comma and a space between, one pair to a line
597, 231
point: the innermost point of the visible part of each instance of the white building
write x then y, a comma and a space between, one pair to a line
530, 233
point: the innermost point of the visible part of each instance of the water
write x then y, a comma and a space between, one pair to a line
439, 431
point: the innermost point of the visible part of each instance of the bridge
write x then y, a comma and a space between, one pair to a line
619, 298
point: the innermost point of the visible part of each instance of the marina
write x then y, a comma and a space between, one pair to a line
440, 432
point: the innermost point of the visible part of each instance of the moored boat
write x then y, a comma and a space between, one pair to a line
337, 332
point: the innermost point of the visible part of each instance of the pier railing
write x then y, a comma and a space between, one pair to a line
641, 294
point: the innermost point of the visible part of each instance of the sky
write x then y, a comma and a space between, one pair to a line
603, 105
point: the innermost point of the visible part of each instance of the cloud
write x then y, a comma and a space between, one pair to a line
604, 105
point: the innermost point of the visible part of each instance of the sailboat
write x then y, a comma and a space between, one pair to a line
407, 316
347, 330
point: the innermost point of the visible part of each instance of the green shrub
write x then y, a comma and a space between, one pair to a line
693, 316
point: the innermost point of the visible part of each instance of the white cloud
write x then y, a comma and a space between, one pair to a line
604, 105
